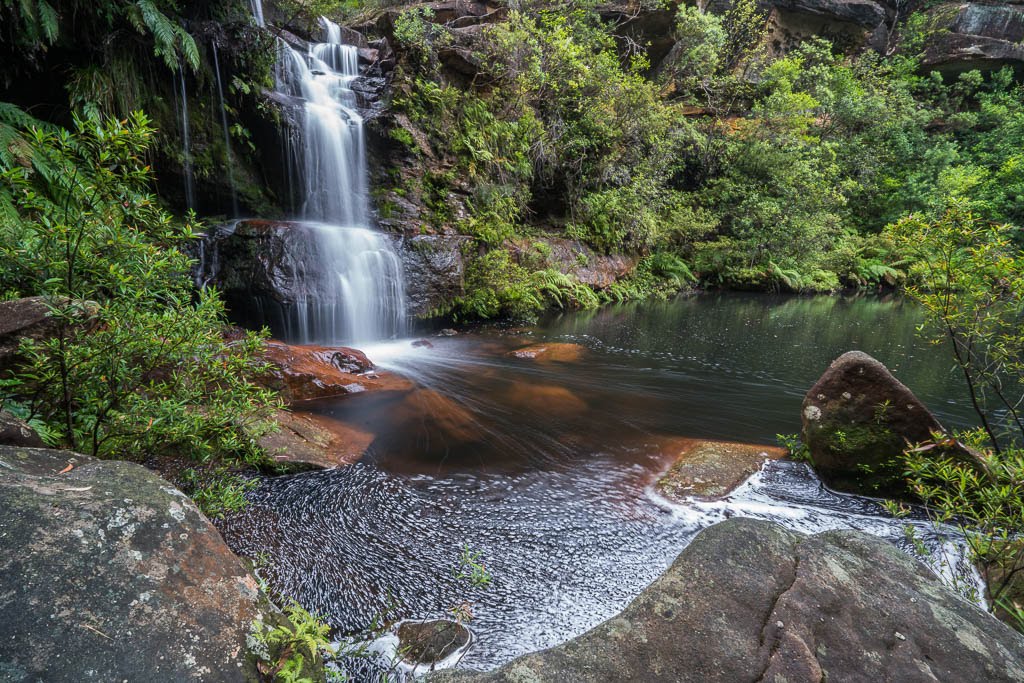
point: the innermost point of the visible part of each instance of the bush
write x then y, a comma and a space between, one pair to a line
149, 371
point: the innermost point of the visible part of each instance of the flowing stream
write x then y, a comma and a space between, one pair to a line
547, 468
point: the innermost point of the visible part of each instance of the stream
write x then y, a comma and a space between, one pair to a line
545, 468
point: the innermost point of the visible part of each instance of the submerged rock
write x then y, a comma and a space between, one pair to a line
560, 352
428, 642
750, 601
109, 573
712, 469
857, 421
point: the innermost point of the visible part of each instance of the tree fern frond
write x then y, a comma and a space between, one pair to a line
49, 23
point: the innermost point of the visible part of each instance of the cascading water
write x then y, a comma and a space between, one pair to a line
227, 137
332, 146
357, 290
186, 137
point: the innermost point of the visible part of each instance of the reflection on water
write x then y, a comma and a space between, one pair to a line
546, 467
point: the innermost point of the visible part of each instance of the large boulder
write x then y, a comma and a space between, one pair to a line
750, 601
111, 574
858, 420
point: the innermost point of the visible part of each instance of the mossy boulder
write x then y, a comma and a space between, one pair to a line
858, 419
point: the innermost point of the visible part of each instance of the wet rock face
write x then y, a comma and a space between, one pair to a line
434, 268
111, 574
750, 601
857, 421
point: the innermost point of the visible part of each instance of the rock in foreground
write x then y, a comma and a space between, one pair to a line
750, 601
712, 469
111, 574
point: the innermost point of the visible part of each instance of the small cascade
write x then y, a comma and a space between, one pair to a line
257, 11
190, 184
227, 137
332, 154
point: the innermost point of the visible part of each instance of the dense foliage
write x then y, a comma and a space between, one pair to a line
138, 364
973, 292
752, 169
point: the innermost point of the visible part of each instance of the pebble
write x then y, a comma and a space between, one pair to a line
900, 636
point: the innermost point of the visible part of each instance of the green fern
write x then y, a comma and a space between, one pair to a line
170, 41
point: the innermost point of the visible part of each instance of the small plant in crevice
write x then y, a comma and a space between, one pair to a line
292, 650
218, 493
797, 449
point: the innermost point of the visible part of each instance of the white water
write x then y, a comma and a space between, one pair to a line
186, 137
357, 291
227, 138
360, 297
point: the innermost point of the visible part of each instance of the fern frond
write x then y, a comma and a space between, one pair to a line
49, 24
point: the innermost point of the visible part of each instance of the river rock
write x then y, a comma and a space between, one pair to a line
560, 352
109, 573
750, 601
307, 372
857, 421
16, 432
309, 441
428, 642
711, 469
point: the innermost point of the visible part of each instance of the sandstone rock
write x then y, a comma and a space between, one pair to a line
975, 35
559, 352
428, 642
111, 574
750, 601
308, 441
15, 432
857, 421
711, 469
303, 373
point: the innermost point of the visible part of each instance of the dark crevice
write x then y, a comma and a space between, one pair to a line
766, 624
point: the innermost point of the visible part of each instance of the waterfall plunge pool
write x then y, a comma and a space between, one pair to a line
546, 468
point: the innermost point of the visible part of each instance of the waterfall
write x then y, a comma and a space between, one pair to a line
332, 149
354, 276
257, 11
190, 184
227, 137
